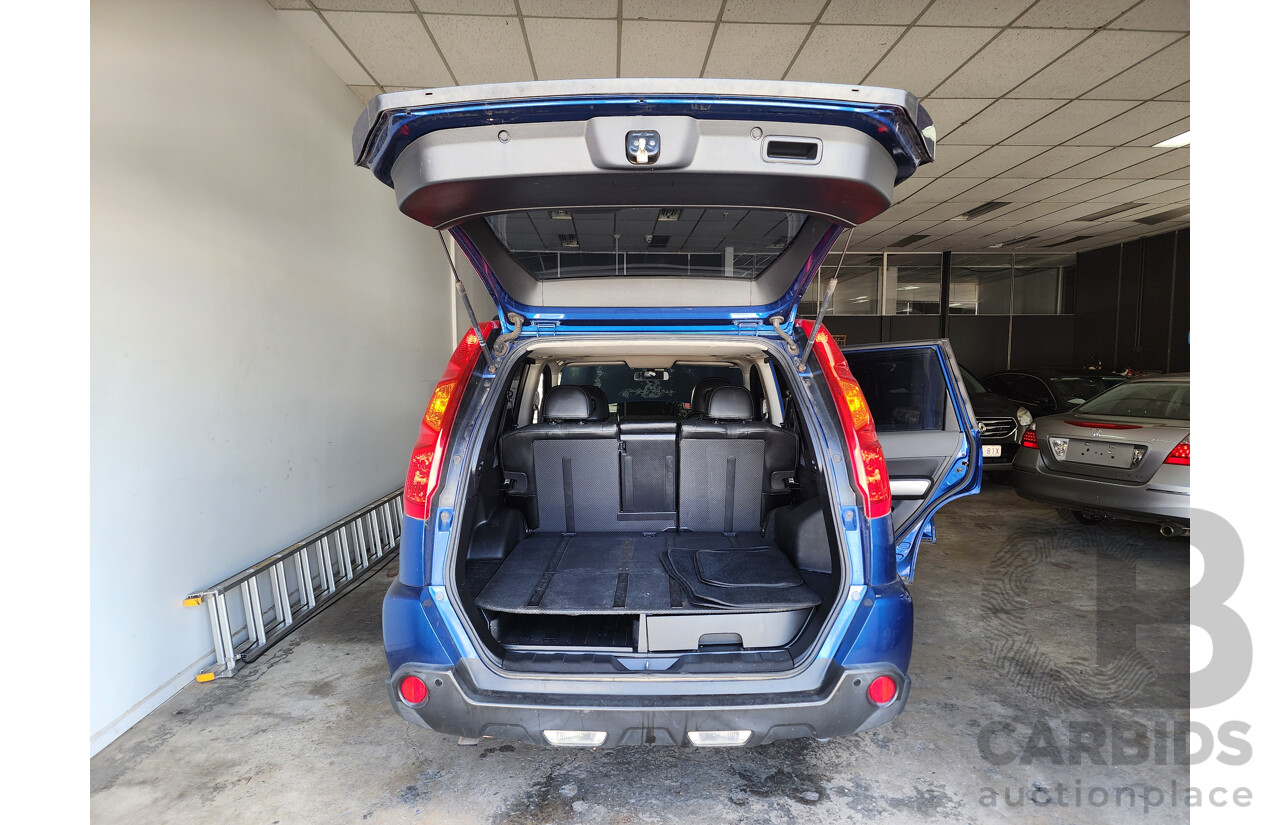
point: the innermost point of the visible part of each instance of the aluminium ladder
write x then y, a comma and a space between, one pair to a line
280, 592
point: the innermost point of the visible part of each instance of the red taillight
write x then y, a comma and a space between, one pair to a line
882, 690
1029, 437
1180, 454
1102, 425
413, 690
433, 436
870, 475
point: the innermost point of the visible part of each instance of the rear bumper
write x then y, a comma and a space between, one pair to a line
1149, 502
455, 705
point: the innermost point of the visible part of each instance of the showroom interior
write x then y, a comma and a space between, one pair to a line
267, 329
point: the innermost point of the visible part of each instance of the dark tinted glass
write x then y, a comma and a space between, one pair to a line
621, 385
646, 241
1078, 390
905, 390
1143, 399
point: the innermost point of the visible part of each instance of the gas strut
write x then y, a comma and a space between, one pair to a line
471, 314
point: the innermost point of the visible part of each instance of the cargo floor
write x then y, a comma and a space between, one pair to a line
598, 573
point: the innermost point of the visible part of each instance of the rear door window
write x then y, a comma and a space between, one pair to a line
905, 389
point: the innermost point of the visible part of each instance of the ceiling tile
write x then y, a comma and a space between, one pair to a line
1172, 162
1001, 119
312, 30
394, 48
1072, 14
1141, 120
1050, 188
1008, 60
1030, 211
1094, 61
951, 113
1091, 189
364, 5
1163, 133
771, 11
482, 49
754, 50
1109, 162
993, 189
970, 13
290, 4
1142, 191
1054, 160
671, 9
951, 209
664, 49
909, 187
904, 211
887, 12
365, 93
564, 48
495, 8
924, 57
948, 158
1182, 92
1158, 15
1180, 192
996, 160
841, 54
569, 8
941, 190
1154, 76
1065, 123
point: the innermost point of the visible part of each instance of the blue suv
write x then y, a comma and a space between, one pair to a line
647, 504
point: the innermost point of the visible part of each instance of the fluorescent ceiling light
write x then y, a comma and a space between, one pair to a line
1183, 139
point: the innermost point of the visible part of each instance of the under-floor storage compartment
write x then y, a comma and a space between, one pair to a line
637, 592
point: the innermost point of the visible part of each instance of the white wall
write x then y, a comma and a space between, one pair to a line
266, 326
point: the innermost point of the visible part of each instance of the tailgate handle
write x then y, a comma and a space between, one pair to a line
793, 150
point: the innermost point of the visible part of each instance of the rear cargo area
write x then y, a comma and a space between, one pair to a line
632, 522
672, 591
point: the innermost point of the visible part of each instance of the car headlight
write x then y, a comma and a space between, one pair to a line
1023, 417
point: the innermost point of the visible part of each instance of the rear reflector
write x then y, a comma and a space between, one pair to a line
870, 475
1029, 437
719, 738
1180, 454
882, 690
433, 435
1103, 425
575, 738
413, 690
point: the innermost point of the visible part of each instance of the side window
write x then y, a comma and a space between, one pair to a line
906, 391
998, 384
1029, 389
544, 384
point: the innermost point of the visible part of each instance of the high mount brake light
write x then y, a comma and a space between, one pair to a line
433, 436
1102, 425
870, 474
1180, 454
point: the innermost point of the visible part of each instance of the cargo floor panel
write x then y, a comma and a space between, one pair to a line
610, 573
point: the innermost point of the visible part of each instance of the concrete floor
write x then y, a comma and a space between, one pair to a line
1006, 633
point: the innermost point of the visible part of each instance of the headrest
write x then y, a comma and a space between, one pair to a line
567, 403
599, 403
698, 403
729, 404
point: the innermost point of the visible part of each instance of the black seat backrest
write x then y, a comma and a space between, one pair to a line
732, 467
563, 471
698, 401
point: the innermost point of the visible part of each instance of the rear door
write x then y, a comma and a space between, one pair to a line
597, 204
927, 430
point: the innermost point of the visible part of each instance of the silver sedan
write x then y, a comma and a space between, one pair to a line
1124, 454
